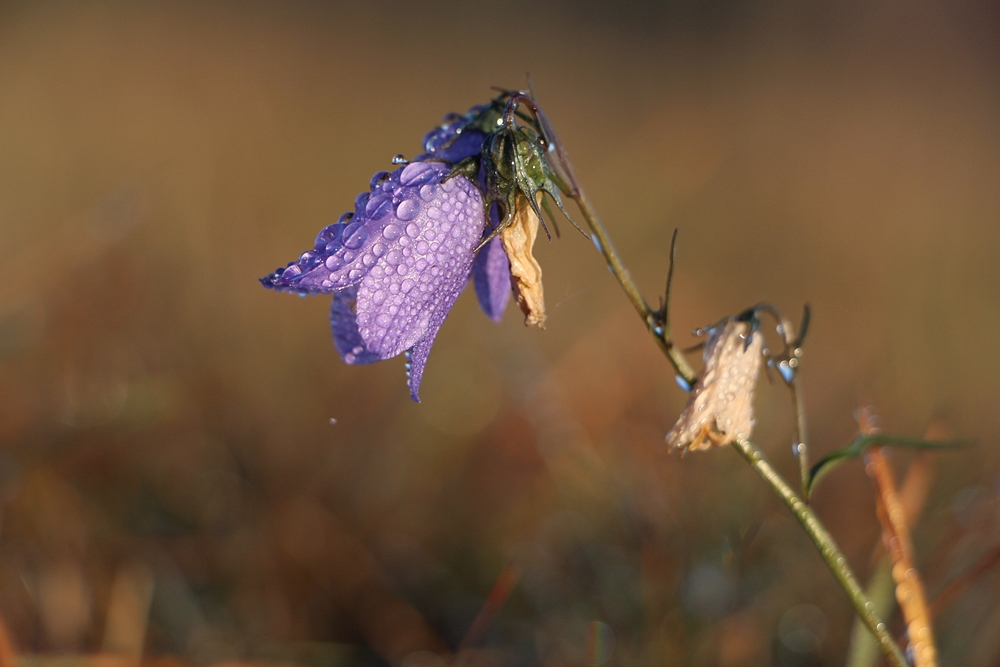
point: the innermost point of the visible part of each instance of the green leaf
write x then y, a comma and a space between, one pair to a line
863, 442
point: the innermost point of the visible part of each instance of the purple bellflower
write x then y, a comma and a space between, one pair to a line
398, 262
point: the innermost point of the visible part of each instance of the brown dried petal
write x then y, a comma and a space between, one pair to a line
526, 274
720, 409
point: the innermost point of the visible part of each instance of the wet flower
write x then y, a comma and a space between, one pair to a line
467, 207
396, 265
720, 409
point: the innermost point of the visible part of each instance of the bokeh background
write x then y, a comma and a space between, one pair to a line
188, 471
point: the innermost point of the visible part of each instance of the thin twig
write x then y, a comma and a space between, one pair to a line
896, 538
501, 590
964, 581
828, 549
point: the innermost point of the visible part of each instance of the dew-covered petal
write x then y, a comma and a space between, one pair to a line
720, 408
407, 294
344, 322
491, 278
453, 143
345, 251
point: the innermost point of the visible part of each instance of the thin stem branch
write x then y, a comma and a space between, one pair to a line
801, 437
828, 549
659, 329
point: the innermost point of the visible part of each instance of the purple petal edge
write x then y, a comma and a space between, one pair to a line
491, 279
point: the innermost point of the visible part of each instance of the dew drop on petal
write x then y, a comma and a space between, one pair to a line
427, 192
355, 235
391, 232
417, 173
412, 230
408, 210
394, 257
333, 262
378, 207
378, 249
355, 274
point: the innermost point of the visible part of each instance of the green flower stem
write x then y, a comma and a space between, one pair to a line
660, 330
828, 550
801, 437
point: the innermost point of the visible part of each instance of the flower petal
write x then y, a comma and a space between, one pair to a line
344, 322
491, 278
412, 287
518, 239
346, 250
720, 409
454, 141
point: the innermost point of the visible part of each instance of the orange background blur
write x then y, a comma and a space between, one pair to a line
172, 484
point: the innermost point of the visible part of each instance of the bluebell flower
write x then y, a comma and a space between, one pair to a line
397, 264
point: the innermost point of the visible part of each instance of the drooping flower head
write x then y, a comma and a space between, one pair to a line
720, 408
398, 262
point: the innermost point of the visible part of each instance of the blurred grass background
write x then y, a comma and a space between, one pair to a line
172, 484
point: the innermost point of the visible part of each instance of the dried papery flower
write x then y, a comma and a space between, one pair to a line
720, 409
526, 275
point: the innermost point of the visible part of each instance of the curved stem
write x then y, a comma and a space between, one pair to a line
659, 329
828, 550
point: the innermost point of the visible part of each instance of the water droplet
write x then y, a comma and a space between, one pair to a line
434, 213
406, 286
361, 201
383, 320
378, 207
355, 235
427, 192
399, 158
412, 230
290, 273
378, 178
684, 384
408, 210
355, 274
417, 173
333, 262
346, 217
368, 259
394, 257
658, 331
422, 247
787, 372
402, 269
392, 232
328, 234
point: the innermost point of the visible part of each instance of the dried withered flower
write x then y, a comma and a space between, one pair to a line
526, 275
720, 409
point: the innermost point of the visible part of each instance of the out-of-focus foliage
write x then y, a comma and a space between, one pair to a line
170, 477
